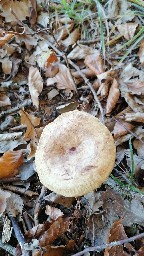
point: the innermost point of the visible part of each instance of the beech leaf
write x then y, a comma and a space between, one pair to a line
113, 96
35, 83
9, 163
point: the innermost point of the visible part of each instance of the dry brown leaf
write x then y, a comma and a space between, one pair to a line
6, 65
59, 227
52, 70
4, 100
95, 63
86, 71
43, 19
15, 204
58, 199
3, 197
122, 128
4, 39
113, 96
35, 83
137, 117
72, 38
136, 87
63, 79
117, 233
134, 104
54, 213
105, 80
141, 52
30, 121
81, 51
127, 30
63, 31
20, 8
9, 163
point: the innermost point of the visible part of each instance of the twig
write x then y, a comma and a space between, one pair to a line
84, 78
12, 110
116, 243
87, 42
9, 180
19, 190
38, 205
7, 247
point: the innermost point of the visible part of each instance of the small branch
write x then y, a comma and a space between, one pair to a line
116, 243
84, 78
7, 247
12, 110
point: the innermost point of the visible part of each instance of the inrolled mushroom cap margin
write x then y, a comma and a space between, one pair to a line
75, 155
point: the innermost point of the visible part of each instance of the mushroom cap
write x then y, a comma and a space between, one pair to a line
75, 155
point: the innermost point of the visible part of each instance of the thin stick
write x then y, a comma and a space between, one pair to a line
116, 243
84, 78
7, 247
38, 206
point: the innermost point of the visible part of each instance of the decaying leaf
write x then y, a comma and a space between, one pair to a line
105, 80
14, 204
4, 100
136, 87
9, 141
72, 38
33, 12
6, 65
59, 227
53, 212
5, 38
113, 96
95, 63
127, 30
58, 199
141, 52
30, 121
7, 230
63, 79
81, 51
117, 233
122, 128
64, 31
9, 163
35, 84
3, 197
137, 117
20, 8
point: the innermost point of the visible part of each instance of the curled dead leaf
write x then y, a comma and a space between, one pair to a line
113, 96
53, 212
95, 63
5, 38
35, 84
136, 87
9, 163
137, 117
72, 38
4, 100
3, 197
63, 79
122, 128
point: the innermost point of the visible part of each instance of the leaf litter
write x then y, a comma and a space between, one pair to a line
48, 52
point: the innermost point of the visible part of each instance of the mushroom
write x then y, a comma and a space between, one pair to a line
75, 155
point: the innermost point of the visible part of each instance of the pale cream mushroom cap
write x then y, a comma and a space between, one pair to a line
75, 155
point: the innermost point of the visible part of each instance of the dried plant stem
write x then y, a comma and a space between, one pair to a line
84, 78
116, 243
12, 110
38, 205
7, 247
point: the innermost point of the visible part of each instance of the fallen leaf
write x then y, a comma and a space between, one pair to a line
35, 84
136, 87
95, 63
105, 80
122, 128
7, 230
141, 52
14, 204
59, 227
33, 12
81, 51
53, 93
4, 100
134, 104
58, 199
137, 117
118, 8
52, 70
113, 96
9, 141
127, 30
117, 233
63, 79
43, 19
9, 163
53, 212
20, 8
30, 121
6, 65
3, 197
52, 59
5, 38
72, 38
64, 31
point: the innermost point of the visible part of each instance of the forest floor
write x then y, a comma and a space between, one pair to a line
55, 57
